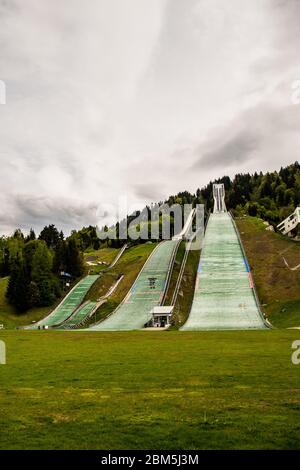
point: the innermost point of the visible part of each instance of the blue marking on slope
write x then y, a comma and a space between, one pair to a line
200, 267
246, 265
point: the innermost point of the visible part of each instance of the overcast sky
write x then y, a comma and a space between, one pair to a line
141, 99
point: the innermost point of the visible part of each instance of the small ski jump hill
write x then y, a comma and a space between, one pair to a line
72, 311
224, 297
68, 305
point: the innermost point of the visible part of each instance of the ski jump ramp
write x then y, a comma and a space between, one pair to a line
149, 288
147, 291
71, 311
69, 304
224, 297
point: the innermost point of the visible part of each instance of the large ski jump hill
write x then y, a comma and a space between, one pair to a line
224, 296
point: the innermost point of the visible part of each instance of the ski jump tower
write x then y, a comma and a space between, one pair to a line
219, 196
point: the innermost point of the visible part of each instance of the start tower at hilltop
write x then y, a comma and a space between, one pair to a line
219, 198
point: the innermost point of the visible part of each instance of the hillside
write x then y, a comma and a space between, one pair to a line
273, 259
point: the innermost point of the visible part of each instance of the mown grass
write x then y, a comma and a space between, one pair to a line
106, 255
277, 286
143, 390
285, 314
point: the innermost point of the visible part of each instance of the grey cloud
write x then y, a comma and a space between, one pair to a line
31, 211
233, 152
257, 137
148, 192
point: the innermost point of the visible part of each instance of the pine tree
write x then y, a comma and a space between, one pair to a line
41, 275
34, 297
59, 260
4, 265
74, 261
17, 291
50, 235
31, 236
18, 234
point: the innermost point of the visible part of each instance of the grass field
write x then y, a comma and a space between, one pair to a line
142, 390
278, 287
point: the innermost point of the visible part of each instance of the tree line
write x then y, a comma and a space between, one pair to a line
271, 196
34, 266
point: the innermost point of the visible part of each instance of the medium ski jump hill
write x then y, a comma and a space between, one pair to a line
224, 296
149, 288
147, 291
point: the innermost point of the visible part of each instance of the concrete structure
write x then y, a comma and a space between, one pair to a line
187, 228
290, 223
161, 316
219, 198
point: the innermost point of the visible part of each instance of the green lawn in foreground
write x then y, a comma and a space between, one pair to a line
160, 390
